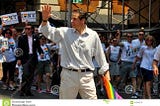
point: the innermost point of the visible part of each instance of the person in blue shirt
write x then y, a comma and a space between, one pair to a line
43, 66
8, 48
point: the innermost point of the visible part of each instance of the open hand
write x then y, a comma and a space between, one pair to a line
46, 12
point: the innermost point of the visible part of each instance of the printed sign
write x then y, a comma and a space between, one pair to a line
28, 16
9, 19
4, 42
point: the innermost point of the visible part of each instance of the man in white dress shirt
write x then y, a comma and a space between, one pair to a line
79, 45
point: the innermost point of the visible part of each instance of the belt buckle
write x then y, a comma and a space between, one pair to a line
79, 70
71, 69
83, 70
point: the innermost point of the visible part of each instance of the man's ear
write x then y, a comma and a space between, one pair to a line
83, 20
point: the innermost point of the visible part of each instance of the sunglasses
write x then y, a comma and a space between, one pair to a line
129, 36
115, 40
8, 32
28, 28
149, 40
141, 34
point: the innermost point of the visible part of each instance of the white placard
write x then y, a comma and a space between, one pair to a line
3, 42
9, 19
28, 16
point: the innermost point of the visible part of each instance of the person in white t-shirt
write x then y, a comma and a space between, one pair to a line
129, 51
43, 66
113, 56
146, 54
140, 42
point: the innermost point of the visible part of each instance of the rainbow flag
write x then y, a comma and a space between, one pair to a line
111, 92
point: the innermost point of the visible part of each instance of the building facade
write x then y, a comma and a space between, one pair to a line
105, 13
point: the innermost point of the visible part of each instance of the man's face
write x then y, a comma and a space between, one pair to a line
141, 35
28, 29
36, 30
129, 37
75, 21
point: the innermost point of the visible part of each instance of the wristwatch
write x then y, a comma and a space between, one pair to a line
44, 20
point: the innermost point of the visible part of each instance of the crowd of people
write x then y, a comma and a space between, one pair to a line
81, 53
134, 58
26, 57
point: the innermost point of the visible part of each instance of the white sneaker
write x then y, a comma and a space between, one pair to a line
11, 87
135, 95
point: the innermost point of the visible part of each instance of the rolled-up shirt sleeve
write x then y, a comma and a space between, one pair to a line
50, 32
101, 58
77, 51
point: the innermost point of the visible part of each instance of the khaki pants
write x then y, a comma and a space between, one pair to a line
73, 83
1, 71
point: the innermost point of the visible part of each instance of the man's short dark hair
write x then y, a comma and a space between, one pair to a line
82, 14
141, 30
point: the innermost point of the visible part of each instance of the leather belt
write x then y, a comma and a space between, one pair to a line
113, 61
80, 70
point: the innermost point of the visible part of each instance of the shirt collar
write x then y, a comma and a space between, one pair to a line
85, 32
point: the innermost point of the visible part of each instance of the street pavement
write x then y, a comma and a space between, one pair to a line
15, 94
101, 94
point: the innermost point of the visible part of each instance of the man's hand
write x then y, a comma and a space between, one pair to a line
107, 75
46, 12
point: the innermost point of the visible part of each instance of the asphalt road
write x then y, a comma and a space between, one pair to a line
44, 95
15, 94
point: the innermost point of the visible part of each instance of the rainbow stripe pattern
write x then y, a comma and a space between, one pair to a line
110, 91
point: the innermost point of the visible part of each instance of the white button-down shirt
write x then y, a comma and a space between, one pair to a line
77, 50
30, 44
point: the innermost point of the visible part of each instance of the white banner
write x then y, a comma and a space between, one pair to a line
9, 19
28, 16
79, 102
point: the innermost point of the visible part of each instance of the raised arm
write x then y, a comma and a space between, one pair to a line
46, 14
